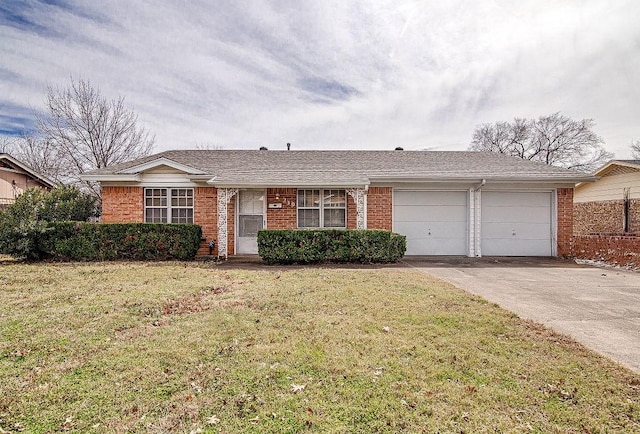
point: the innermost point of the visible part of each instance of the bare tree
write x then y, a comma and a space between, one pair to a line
7, 145
41, 155
635, 149
555, 139
88, 132
207, 146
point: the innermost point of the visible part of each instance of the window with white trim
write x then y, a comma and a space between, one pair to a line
322, 209
168, 205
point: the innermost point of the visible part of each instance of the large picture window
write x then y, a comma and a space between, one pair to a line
322, 209
168, 205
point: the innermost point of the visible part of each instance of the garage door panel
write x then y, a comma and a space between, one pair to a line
433, 229
432, 213
524, 231
517, 199
435, 223
516, 224
523, 214
436, 246
434, 198
503, 247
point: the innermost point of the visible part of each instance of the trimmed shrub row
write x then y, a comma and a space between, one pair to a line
312, 246
80, 241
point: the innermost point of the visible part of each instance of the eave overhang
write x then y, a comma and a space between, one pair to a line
135, 177
163, 161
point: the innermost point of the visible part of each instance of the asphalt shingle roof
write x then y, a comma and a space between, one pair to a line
353, 167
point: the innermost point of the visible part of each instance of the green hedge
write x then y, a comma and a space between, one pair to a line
80, 241
311, 246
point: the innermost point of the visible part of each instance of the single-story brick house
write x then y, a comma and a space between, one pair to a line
611, 205
16, 177
446, 203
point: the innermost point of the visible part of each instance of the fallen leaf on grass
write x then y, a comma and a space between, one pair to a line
213, 420
295, 388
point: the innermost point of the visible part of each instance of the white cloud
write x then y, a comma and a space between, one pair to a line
333, 74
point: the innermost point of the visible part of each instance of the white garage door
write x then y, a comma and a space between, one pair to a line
516, 224
434, 222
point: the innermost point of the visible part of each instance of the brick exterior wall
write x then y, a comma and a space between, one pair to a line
634, 216
231, 226
613, 249
205, 214
605, 217
352, 213
122, 205
380, 208
285, 217
565, 220
598, 232
598, 217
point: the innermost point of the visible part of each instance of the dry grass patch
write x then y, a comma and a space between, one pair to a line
190, 348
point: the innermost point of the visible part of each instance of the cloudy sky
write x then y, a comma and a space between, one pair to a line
329, 74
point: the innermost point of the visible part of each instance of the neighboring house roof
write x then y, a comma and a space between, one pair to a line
302, 168
7, 162
614, 164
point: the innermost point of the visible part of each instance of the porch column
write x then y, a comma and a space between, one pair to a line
224, 197
359, 197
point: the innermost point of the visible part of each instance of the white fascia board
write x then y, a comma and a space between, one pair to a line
509, 179
162, 162
287, 185
111, 178
199, 178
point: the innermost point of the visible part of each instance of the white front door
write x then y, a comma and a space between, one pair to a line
250, 220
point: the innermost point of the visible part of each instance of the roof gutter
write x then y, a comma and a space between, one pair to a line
111, 177
572, 180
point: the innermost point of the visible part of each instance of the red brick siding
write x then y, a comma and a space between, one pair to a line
352, 213
122, 205
613, 249
285, 217
231, 226
379, 208
205, 214
565, 220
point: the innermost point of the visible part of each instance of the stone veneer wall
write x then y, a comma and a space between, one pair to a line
605, 217
598, 232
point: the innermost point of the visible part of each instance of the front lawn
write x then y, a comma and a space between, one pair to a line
193, 348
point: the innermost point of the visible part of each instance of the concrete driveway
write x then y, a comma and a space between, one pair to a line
598, 307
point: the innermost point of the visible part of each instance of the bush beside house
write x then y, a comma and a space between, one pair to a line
81, 241
52, 225
24, 223
312, 246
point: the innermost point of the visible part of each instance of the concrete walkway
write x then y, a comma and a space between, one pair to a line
598, 307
